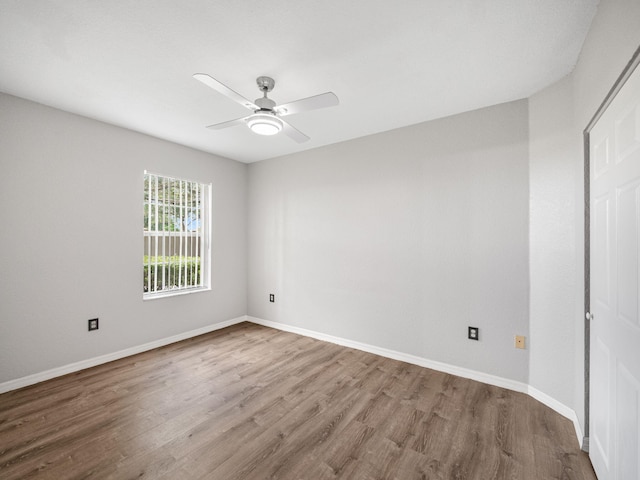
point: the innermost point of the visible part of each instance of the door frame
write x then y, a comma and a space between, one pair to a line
611, 95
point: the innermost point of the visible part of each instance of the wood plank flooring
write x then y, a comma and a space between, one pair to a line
250, 403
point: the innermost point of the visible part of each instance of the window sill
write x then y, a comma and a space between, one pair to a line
173, 293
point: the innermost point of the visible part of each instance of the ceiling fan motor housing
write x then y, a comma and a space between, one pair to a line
265, 104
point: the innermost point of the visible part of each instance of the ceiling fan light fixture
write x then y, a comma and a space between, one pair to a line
264, 124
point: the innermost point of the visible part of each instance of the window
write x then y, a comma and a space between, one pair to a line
177, 236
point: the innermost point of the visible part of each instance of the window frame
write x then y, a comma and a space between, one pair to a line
150, 246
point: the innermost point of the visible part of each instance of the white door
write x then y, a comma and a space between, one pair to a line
614, 443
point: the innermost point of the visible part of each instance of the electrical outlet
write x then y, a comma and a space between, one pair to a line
272, 298
520, 341
474, 333
93, 324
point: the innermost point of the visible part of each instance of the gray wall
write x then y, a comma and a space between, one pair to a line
71, 239
554, 243
402, 239
558, 116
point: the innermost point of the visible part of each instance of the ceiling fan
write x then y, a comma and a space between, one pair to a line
265, 119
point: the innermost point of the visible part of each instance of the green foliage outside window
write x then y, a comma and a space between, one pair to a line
178, 272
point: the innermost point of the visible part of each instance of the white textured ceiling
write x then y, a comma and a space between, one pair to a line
392, 64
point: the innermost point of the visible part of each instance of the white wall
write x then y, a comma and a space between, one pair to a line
558, 116
71, 239
402, 239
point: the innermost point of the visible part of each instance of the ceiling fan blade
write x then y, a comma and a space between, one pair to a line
230, 123
323, 100
224, 90
293, 133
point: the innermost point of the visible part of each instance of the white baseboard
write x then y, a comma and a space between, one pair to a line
561, 408
440, 366
92, 362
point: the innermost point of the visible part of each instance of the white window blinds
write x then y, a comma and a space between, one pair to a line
177, 235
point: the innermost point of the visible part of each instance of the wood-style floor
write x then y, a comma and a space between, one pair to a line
249, 403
